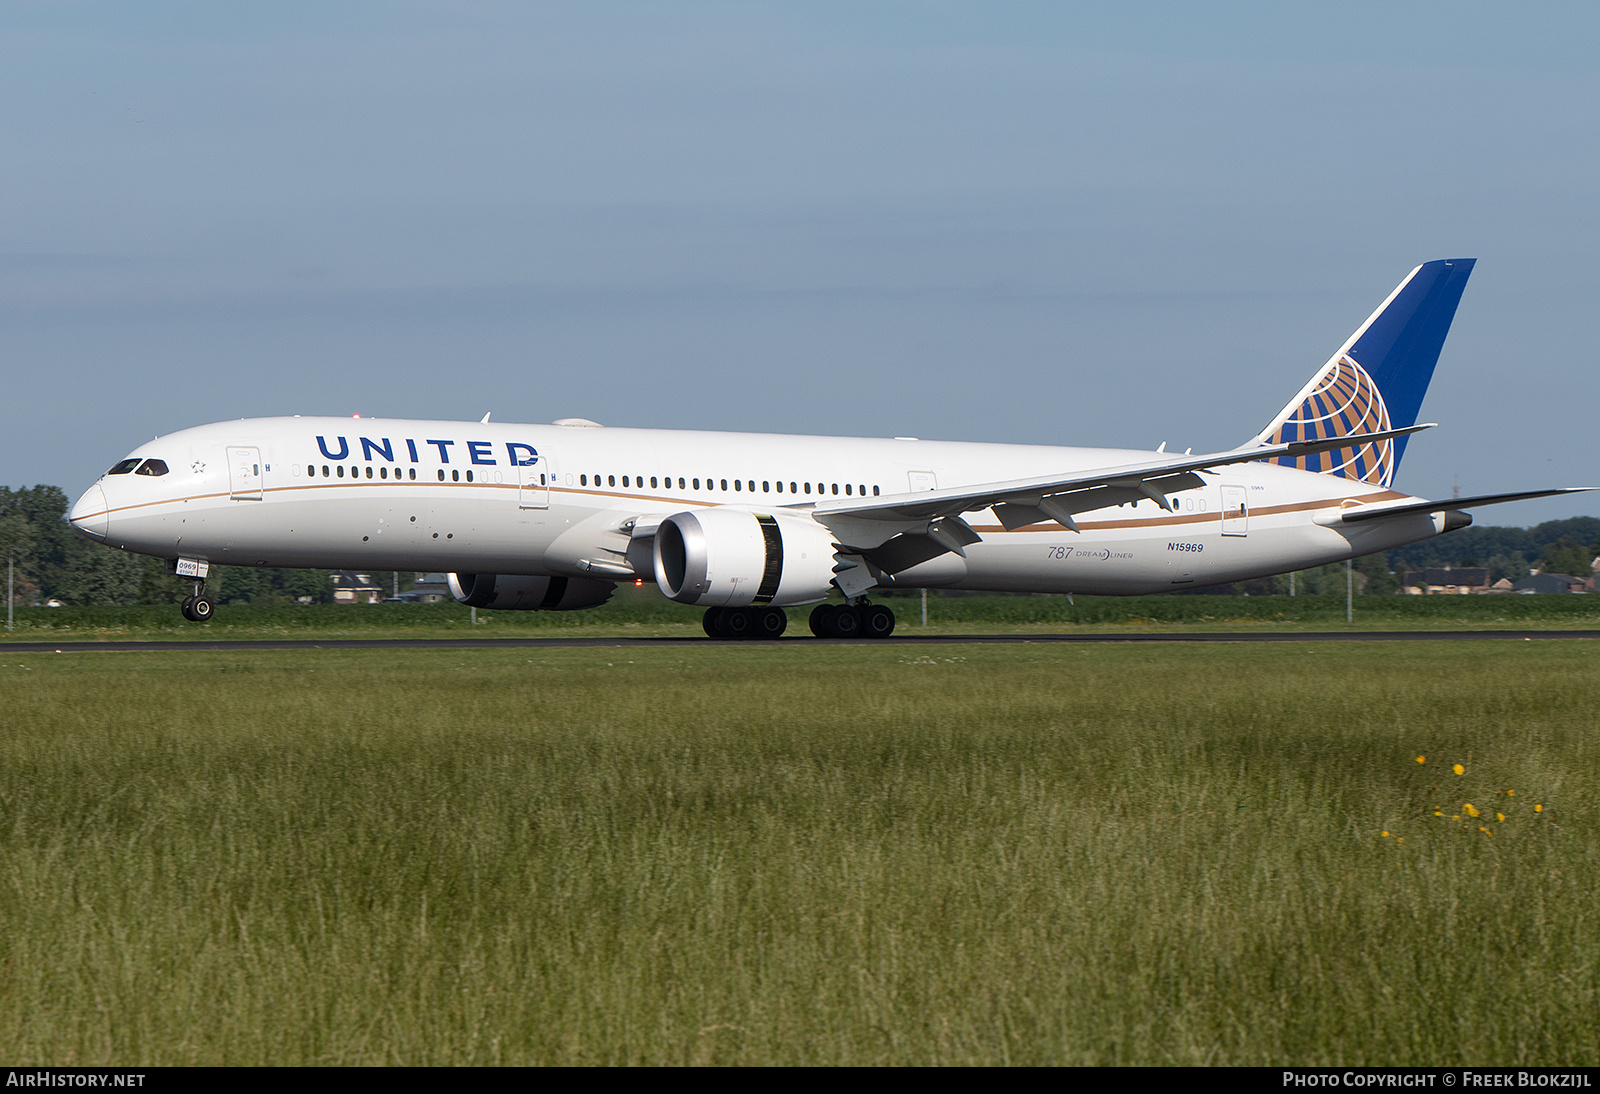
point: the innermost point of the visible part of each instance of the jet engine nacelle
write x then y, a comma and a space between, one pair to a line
732, 557
519, 593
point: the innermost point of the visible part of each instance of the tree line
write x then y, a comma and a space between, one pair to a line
52, 562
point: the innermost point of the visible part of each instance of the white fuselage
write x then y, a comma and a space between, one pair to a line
377, 494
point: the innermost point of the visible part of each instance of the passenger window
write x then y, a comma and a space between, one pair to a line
697, 484
792, 489
455, 476
612, 479
369, 471
835, 488
780, 485
583, 480
736, 484
681, 486
154, 467
724, 484
469, 476
624, 480
413, 474
808, 488
846, 488
383, 472
652, 482
441, 476
341, 470
874, 491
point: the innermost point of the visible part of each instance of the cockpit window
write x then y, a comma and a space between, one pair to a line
124, 467
153, 467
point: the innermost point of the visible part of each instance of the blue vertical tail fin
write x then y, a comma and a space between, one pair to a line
1377, 379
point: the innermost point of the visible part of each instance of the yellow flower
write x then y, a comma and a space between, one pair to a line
1501, 817
1471, 810
1459, 770
1513, 793
1538, 809
1485, 831
1422, 759
1400, 839
1385, 835
1438, 812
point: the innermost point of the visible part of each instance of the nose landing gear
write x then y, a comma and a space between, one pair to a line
198, 608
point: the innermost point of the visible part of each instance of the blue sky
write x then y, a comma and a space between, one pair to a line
992, 222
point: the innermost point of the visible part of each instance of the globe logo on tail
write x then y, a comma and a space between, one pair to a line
1344, 401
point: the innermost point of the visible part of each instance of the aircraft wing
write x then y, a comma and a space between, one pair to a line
1377, 512
1027, 501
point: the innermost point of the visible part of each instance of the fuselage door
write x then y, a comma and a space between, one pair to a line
533, 480
244, 474
1235, 511
922, 480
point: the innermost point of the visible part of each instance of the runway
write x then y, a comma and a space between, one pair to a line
797, 641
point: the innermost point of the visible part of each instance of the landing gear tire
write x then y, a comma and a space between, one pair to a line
198, 609
852, 621
771, 623
187, 607
736, 623
732, 623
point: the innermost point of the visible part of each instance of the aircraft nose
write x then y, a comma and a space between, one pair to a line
89, 514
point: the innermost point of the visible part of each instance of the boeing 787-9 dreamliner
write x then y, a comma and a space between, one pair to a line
552, 517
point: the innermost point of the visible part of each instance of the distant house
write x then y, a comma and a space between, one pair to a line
1552, 583
350, 587
1446, 581
429, 589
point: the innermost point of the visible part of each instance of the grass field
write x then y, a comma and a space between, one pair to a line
814, 854
645, 612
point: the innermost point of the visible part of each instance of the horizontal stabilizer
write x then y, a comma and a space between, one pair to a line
1378, 512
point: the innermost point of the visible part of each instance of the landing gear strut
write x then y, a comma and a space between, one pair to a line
745, 622
859, 620
198, 608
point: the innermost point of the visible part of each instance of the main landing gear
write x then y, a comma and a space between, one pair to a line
859, 620
745, 622
198, 608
